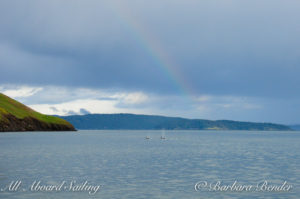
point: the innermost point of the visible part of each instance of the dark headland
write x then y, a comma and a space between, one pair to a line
152, 122
15, 116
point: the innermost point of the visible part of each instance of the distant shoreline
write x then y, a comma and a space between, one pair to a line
124, 121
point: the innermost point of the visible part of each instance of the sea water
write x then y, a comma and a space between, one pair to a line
124, 164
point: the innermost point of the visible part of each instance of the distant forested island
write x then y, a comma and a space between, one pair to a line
295, 127
153, 122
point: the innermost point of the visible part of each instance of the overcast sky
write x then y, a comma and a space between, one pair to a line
210, 59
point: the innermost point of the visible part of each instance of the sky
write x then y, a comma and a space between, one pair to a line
206, 59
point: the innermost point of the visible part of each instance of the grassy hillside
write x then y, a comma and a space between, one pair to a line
20, 111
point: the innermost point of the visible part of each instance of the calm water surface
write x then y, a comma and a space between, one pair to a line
127, 165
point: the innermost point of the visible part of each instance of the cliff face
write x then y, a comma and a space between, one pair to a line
12, 123
15, 116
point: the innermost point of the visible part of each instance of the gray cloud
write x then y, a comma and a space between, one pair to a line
53, 108
221, 48
72, 113
84, 111
249, 48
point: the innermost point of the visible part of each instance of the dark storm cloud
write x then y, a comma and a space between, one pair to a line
221, 47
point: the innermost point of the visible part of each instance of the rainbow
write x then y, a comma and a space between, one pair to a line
154, 48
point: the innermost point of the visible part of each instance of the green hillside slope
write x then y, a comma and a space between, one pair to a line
14, 113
